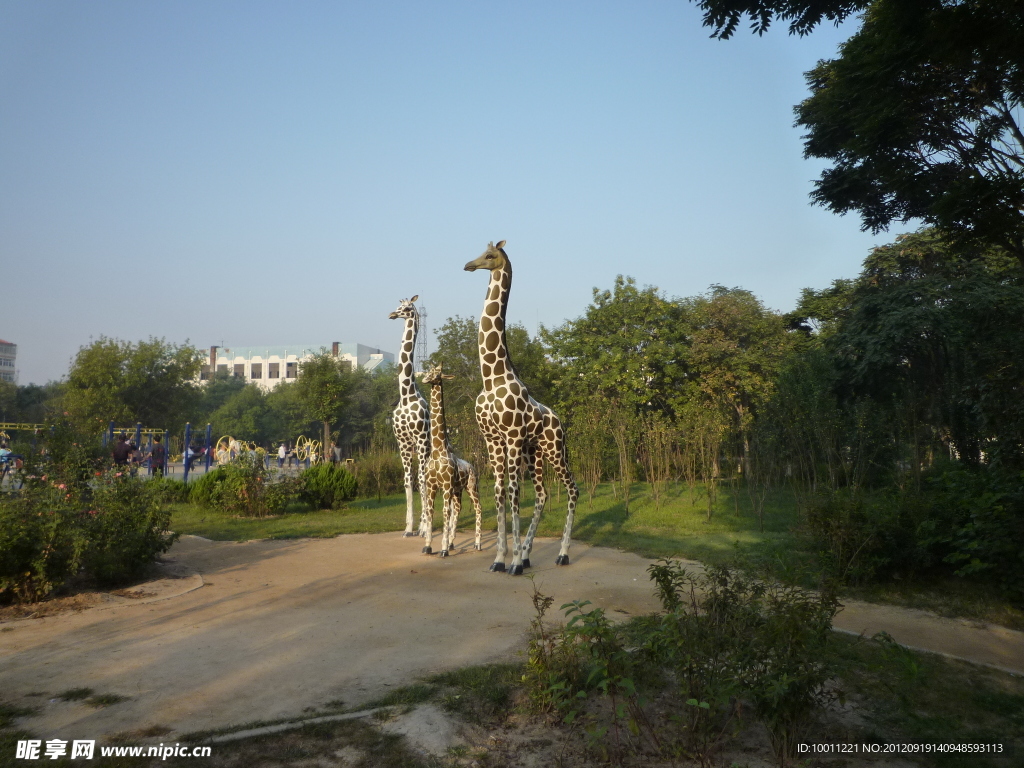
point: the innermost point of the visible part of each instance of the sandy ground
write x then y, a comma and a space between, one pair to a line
279, 627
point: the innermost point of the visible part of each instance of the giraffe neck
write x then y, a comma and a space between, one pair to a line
495, 365
406, 370
438, 429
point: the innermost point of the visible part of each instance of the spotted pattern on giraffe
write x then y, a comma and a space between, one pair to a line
517, 429
447, 473
411, 419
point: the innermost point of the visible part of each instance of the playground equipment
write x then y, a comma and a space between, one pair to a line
188, 453
307, 450
229, 448
139, 433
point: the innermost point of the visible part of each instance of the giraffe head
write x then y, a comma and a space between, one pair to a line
406, 308
493, 258
434, 376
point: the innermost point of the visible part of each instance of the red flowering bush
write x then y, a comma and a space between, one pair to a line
69, 517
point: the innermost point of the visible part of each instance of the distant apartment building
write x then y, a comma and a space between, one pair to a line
269, 366
8, 362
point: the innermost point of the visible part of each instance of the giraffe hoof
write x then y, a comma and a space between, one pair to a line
498, 567
515, 570
477, 547
427, 551
409, 534
562, 560
443, 553
526, 563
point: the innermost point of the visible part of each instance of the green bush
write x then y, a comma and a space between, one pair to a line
380, 473
43, 539
967, 523
976, 526
862, 538
126, 527
328, 486
171, 491
51, 531
206, 491
725, 642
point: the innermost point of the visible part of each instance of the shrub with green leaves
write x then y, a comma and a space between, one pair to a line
43, 539
70, 518
126, 526
328, 486
206, 490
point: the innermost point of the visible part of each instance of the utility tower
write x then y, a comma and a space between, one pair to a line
421, 340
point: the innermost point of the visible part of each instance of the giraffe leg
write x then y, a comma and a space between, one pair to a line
455, 512
429, 538
407, 461
473, 486
573, 494
446, 520
426, 504
515, 464
536, 464
496, 451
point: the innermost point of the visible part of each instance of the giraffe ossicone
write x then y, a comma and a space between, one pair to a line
410, 418
518, 429
446, 472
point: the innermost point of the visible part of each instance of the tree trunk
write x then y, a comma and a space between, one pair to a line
327, 440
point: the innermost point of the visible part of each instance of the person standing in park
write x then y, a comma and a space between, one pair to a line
157, 457
122, 451
281, 453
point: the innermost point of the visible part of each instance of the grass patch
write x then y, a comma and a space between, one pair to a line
408, 695
908, 696
8, 714
75, 694
105, 700
481, 694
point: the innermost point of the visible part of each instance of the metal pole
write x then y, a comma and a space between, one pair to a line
209, 435
111, 438
167, 450
184, 455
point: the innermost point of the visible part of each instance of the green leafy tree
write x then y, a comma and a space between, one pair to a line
628, 347
149, 381
217, 391
244, 415
736, 348
803, 15
920, 118
369, 408
286, 416
938, 333
324, 386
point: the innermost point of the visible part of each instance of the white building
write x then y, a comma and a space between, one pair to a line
8, 361
269, 366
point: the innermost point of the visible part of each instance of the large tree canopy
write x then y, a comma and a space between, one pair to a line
149, 381
920, 117
802, 15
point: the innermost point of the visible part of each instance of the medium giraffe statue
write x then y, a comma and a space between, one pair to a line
411, 419
446, 472
517, 428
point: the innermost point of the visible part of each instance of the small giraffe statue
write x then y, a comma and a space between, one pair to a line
410, 419
516, 427
446, 472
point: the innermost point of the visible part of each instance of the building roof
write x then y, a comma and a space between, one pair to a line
299, 350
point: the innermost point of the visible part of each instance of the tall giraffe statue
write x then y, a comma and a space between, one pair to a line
446, 472
411, 419
517, 428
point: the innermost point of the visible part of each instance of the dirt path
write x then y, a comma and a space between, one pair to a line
282, 626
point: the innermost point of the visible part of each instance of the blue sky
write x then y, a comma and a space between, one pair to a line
278, 173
